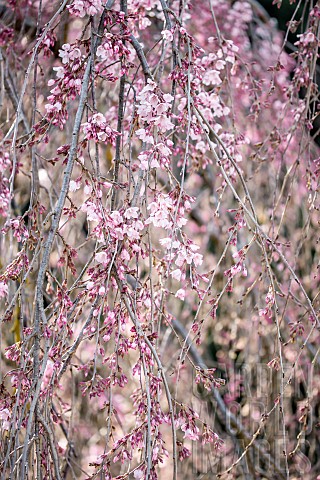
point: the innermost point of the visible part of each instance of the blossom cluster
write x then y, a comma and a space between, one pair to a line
5, 164
112, 50
67, 84
80, 8
266, 312
97, 129
153, 111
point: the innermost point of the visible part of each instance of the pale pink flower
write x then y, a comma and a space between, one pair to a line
144, 160
163, 149
212, 77
4, 419
90, 285
162, 108
131, 212
3, 289
181, 293
116, 217
168, 97
74, 186
102, 257
164, 123
138, 474
80, 8
220, 64
131, 233
167, 35
144, 136
166, 242
192, 433
91, 211
197, 259
154, 163
176, 274
87, 189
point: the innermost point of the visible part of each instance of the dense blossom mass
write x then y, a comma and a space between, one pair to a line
159, 276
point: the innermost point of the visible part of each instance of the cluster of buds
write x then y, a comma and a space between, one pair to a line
207, 378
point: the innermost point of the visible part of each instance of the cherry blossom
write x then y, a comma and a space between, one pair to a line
3, 289
80, 8
159, 274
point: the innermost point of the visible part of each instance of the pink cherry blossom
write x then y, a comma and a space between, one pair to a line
159, 197
167, 35
3, 290
102, 257
80, 8
181, 293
